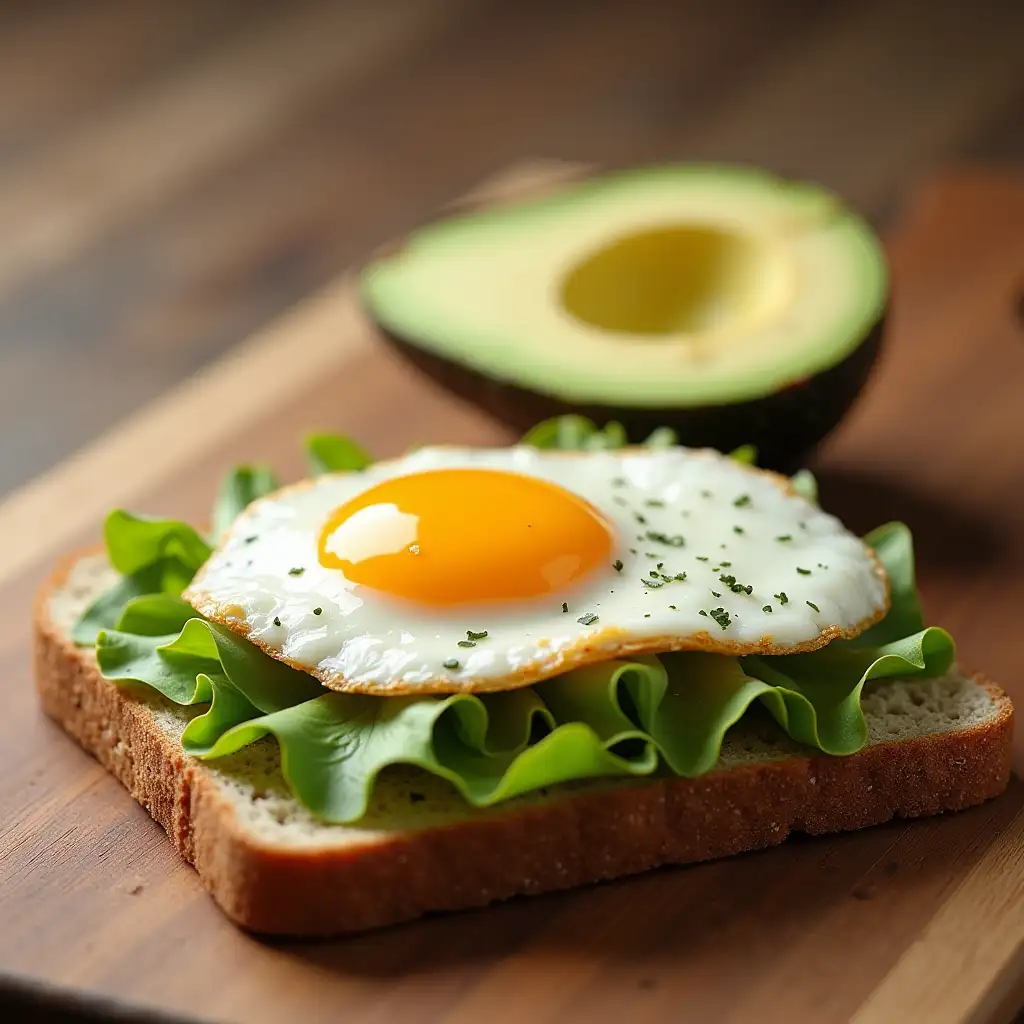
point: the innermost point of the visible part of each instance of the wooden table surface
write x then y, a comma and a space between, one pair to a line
173, 176
171, 182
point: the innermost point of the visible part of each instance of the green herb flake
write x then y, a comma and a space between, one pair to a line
784, 538
742, 501
654, 503
674, 540
811, 604
297, 571
721, 616
451, 663
277, 620
803, 572
703, 558
318, 610
617, 565
587, 619
781, 597
619, 481
467, 643
726, 565
251, 538
652, 583
702, 612
565, 607
738, 529
715, 593
767, 609
673, 607
679, 577
640, 518
471, 635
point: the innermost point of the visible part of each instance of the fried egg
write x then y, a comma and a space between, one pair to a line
455, 569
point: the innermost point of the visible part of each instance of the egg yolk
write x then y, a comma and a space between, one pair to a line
453, 536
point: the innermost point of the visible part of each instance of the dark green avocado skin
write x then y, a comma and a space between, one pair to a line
786, 426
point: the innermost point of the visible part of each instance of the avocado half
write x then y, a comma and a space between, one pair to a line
724, 302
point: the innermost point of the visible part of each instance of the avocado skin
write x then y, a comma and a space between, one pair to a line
785, 426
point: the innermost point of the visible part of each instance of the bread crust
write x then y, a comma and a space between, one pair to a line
581, 837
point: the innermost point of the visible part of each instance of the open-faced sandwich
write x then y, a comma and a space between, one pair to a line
448, 678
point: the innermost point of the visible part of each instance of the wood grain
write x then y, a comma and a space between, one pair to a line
903, 921
174, 176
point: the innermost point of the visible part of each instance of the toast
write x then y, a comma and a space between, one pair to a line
934, 745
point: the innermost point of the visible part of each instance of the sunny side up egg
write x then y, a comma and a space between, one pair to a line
488, 569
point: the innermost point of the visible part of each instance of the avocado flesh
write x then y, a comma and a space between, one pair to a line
716, 300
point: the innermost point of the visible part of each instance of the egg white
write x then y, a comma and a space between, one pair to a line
673, 511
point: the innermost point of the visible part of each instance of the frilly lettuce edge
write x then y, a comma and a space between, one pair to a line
633, 717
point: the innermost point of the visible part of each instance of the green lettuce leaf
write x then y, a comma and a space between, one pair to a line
618, 718
238, 490
332, 453
153, 556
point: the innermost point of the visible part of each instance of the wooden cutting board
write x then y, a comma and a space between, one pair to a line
905, 922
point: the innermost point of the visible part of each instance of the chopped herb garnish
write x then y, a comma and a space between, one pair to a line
318, 610
811, 604
660, 565
726, 565
650, 554
727, 580
647, 615
482, 635
249, 540
820, 566
619, 481
277, 620
652, 583
767, 609
467, 643
784, 538
641, 519
781, 597
675, 540
738, 529
715, 593
803, 572
451, 663
721, 616
673, 607
565, 607
702, 558
297, 571
702, 612
617, 565
632, 551
680, 576
588, 619
654, 503
742, 501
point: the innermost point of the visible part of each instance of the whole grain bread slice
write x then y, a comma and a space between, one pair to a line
934, 745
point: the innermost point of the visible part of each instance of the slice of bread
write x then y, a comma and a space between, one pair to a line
935, 745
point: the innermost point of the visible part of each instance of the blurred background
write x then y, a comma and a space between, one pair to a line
174, 176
